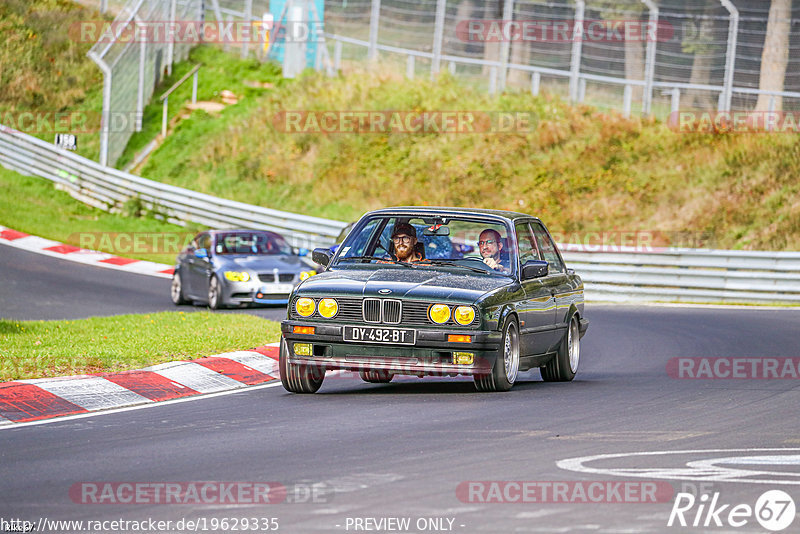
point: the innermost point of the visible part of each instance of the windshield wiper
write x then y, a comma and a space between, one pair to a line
386, 260
454, 264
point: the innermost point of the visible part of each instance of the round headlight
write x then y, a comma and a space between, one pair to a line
464, 315
439, 313
304, 306
328, 308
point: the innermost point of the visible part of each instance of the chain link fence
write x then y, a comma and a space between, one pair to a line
638, 56
132, 67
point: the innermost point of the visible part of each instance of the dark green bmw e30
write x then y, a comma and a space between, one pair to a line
436, 291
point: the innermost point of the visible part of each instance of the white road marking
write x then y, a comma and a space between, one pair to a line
700, 469
259, 362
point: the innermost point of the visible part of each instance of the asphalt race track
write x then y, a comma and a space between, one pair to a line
366, 455
41, 287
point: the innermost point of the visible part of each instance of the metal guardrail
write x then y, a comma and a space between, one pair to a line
691, 275
110, 189
610, 273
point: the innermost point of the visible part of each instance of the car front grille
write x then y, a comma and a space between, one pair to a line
269, 278
386, 311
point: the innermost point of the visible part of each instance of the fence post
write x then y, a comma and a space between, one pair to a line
410, 67
104, 122
505, 46
730, 55
248, 19
374, 20
194, 88
173, 14
536, 80
438, 35
493, 80
627, 100
581, 90
103, 6
140, 30
577, 48
650, 59
337, 55
675, 101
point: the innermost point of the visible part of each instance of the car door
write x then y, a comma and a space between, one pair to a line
538, 308
556, 279
198, 268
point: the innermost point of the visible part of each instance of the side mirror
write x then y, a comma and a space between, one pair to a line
322, 256
201, 253
534, 269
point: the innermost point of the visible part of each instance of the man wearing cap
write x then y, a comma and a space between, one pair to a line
404, 238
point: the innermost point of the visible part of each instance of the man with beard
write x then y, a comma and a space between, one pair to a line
404, 238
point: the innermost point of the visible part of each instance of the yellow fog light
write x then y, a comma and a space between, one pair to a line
236, 276
462, 358
328, 308
304, 306
439, 313
464, 315
302, 349
306, 275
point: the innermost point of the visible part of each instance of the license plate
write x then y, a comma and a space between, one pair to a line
376, 334
277, 288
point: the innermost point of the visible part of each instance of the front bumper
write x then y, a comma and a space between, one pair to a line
431, 353
243, 293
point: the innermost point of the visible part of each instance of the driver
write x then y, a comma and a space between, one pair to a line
404, 238
490, 245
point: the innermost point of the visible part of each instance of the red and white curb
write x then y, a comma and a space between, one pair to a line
36, 399
55, 249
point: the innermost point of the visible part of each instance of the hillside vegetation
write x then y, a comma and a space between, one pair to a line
579, 169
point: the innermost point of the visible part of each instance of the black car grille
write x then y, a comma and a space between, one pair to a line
392, 311
269, 278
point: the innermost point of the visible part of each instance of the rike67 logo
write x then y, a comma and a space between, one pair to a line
774, 510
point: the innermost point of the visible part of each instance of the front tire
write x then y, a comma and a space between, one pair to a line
506, 366
376, 376
214, 293
297, 378
176, 289
564, 365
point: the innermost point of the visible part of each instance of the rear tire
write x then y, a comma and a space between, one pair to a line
506, 366
176, 289
376, 376
298, 378
564, 365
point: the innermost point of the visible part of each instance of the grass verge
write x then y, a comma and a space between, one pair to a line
34, 206
36, 349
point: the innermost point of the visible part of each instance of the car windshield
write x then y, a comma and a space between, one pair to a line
465, 242
251, 243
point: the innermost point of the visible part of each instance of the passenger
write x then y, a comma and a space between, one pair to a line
490, 246
404, 238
